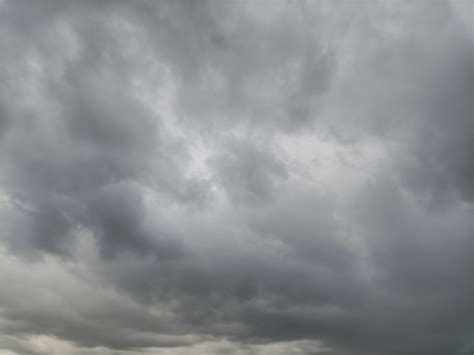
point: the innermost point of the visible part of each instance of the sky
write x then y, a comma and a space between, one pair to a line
236, 177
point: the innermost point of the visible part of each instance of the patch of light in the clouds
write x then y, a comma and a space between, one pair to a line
44, 344
329, 164
198, 167
158, 92
339, 170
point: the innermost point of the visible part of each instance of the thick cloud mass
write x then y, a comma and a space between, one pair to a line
244, 177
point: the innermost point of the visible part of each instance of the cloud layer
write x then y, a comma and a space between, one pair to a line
284, 177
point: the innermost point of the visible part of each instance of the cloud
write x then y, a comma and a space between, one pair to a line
238, 178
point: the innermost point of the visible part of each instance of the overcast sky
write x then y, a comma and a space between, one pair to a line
236, 177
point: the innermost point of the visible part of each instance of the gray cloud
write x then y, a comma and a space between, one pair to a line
247, 173
236, 177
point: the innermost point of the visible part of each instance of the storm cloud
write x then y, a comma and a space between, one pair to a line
237, 177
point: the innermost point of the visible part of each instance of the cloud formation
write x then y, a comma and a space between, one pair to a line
250, 177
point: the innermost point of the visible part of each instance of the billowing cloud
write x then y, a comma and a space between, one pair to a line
250, 177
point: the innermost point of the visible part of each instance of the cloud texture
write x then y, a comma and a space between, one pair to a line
237, 177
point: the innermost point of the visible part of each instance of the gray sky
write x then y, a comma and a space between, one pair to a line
236, 177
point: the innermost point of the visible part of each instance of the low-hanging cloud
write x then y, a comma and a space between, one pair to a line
287, 177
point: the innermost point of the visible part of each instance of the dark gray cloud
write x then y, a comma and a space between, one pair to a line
236, 177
